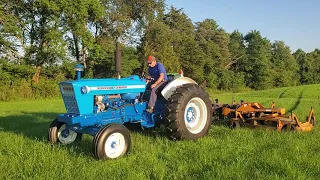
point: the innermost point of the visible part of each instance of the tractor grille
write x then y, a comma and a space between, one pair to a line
71, 104
69, 99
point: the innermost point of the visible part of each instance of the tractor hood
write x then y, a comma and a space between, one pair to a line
78, 94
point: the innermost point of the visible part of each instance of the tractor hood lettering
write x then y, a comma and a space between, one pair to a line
117, 87
67, 89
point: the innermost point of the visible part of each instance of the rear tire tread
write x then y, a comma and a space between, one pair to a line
176, 127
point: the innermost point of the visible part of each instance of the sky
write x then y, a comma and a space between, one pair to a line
296, 22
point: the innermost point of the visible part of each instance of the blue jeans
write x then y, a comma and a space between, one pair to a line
153, 95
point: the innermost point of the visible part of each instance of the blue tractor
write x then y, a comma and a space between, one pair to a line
102, 108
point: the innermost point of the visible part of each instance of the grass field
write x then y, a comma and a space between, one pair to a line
223, 154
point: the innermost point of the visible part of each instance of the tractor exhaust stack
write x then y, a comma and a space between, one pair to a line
118, 61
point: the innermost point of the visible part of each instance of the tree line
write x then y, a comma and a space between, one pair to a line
41, 40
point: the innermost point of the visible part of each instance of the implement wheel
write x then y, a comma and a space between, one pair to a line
188, 113
313, 121
288, 127
235, 125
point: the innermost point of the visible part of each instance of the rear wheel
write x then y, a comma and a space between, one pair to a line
112, 141
188, 113
58, 133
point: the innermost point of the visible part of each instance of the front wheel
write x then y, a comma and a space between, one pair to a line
111, 142
58, 133
188, 113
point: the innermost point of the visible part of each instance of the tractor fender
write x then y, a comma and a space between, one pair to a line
169, 89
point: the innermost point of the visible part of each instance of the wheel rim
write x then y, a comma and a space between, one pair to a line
195, 115
115, 145
66, 136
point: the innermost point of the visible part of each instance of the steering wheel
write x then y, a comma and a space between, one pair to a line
143, 75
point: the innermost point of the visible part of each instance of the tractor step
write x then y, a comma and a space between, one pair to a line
147, 124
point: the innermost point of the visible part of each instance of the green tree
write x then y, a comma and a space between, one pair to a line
78, 17
316, 65
157, 39
130, 60
313, 58
121, 21
42, 37
284, 66
214, 42
182, 39
236, 66
237, 52
257, 69
11, 29
161, 46
305, 67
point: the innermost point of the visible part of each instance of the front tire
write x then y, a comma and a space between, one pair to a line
111, 142
188, 113
58, 133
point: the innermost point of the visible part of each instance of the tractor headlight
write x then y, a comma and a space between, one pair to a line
85, 89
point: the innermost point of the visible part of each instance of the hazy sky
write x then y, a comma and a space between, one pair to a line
297, 23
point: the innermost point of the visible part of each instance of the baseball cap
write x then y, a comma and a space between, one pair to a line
151, 58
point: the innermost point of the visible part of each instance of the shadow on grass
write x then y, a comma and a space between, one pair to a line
35, 125
283, 92
297, 102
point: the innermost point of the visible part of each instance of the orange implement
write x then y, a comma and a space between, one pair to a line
254, 114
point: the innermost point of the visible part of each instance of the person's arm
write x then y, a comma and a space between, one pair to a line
160, 79
148, 78
162, 71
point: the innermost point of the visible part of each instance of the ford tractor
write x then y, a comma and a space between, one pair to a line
102, 108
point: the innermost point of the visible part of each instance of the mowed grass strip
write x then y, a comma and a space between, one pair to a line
223, 154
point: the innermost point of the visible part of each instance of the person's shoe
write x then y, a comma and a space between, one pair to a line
149, 109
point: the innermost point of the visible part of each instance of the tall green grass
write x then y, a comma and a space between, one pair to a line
223, 154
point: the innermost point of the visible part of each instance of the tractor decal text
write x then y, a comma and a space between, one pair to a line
99, 88
104, 88
111, 87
